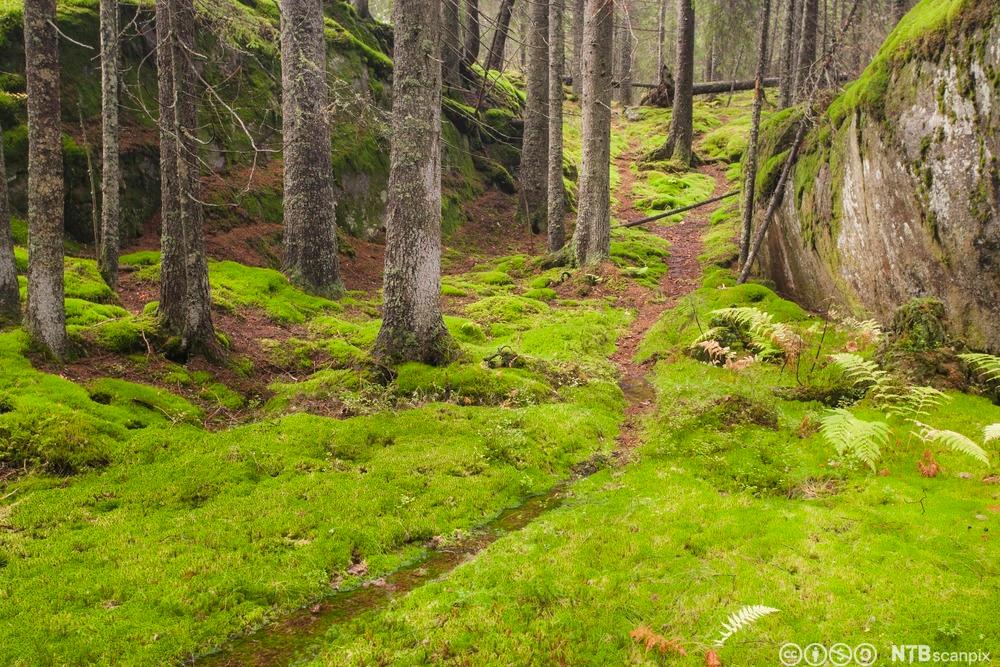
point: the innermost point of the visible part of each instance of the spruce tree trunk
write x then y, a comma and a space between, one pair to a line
498, 45
593, 223
310, 224
198, 335
576, 66
451, 43
789, 50
556, 193
361, 7
750, 161
472, 39
110, 238
10, 299
807, 48
532, 173
412, 324
173, 279
681, 129
46, 314
625, 46
661, 36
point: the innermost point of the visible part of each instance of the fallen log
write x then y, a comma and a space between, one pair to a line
682, 209
714, 87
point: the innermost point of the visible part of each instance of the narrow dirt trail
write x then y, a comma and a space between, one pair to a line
683, 275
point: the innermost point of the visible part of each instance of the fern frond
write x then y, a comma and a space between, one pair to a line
986, 365
857, 437
755, 321
741, 618
865, 374
954, 441
869, 331
712, 333
991, 433
916, 403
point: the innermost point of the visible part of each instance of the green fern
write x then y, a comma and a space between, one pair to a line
991, 433
865, 374
986, 365
954, 441
741, 618
917, 403
855, 437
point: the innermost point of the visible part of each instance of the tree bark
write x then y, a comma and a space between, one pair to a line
173, 279
681, 129
533, 170
576, 67
498, 45
556, 192
661, 36
899, 9
361, 7
451, 43
750, 162
593, 224
10, 297
472, 39
310, 224
198, 334
625, 46
788, 52
412, 324
807, 47
110, 237
46, 313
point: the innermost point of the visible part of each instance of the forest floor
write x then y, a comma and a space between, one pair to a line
478, 513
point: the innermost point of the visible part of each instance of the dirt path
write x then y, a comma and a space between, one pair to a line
683, 275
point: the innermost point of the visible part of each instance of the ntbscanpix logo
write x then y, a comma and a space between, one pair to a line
916, 653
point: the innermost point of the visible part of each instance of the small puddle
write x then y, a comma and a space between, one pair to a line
637, 389
295, 634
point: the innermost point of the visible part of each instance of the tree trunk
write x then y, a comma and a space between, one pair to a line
451, 43
807, 47
494, 59
361, 7
198, 334
625, 47
789, 49
472, 40
10, 298
173, 281
412, 324
593, 223
556, 193
46, 314
532, 173
710, 56
750, 161
661, 36
576, 68
107, 257
310, 225
681, 130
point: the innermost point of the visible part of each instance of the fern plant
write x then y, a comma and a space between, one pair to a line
855, 437
866, 375
916, 403
986, 365
955, 441
991, 433
742, 618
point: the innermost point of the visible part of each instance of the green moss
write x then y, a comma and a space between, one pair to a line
83, 281
640, 255
471, 383
656, 191
540, 293
235, 286
148, 405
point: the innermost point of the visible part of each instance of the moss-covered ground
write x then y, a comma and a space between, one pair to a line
733, 498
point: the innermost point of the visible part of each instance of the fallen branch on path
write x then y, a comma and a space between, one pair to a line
682, 209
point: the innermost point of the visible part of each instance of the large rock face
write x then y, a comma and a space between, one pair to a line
898, 193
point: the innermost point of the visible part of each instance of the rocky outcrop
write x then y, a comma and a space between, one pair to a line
897, 193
